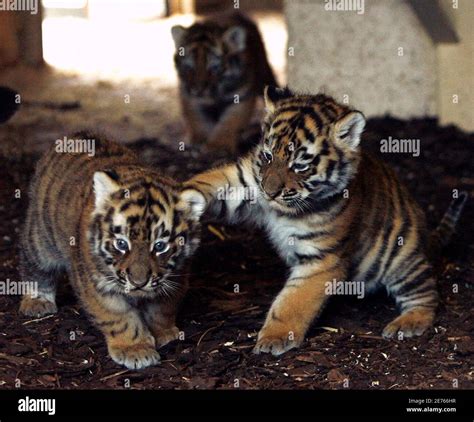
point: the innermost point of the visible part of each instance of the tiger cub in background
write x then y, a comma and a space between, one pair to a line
219, 60
333, 212
123, 233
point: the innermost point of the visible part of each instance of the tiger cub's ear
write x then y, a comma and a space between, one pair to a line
347, 129
105, 183
177, 32
192, 202
235, 38
273, 94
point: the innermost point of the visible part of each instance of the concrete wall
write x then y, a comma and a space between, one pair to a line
360, 55
383, 59
456, 69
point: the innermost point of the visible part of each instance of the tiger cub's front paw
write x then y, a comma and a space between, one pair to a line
37, 306
277, 340
165, 335
135, 356
411, 323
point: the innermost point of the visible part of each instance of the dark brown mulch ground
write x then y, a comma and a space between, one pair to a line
221, 325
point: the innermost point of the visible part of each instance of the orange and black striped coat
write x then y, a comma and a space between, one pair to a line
122, 232
222, 68
334, 214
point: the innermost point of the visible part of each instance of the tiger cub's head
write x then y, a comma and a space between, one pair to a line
142, 230
310, 149
210, 59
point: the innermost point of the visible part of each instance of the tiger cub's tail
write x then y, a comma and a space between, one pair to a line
442, 235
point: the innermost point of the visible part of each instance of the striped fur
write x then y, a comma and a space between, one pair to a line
82, 212
217, 60
443, 233
331, 211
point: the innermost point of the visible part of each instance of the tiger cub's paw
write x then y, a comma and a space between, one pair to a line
276, 341
411, 323
136, 356
166, 335
37, 307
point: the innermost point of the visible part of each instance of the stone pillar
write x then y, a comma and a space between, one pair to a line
456, 69
379, 58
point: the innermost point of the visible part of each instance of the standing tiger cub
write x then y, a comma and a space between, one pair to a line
123, 233
222, 69
333, 213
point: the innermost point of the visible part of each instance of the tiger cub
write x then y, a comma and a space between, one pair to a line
222, 69
123, 233
333, 213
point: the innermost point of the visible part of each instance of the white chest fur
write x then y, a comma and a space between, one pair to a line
284, 234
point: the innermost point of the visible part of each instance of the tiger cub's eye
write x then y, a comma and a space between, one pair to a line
267, 156
187, 66
214, 67
160, 247
121, 245
298, 168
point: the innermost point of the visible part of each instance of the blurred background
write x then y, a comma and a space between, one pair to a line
405, 58
114, 57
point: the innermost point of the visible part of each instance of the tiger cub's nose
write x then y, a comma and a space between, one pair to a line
138, 275
273, 191
273, 186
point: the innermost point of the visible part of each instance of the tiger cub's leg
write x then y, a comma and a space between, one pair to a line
161, 320
197, 128
129, 340
416, 295
295, 307
225, 136
41, 300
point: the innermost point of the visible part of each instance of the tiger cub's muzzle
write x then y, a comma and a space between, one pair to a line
278, 183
